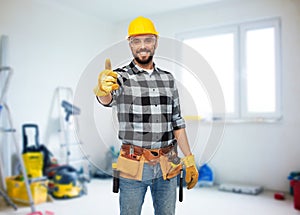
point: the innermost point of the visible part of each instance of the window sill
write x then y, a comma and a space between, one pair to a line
255, 120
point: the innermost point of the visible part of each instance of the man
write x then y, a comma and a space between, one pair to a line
150, 125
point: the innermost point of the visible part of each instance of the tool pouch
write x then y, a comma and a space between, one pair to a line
130, 168
152, 157
169, 171
170, 162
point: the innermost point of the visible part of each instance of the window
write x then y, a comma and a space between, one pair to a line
245, 59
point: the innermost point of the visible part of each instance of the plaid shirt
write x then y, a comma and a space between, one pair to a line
148, 107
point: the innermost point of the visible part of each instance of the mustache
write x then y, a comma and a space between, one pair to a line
143, 50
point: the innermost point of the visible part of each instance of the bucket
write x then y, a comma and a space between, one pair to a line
16, 190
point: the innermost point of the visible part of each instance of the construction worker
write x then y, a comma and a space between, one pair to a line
150, 125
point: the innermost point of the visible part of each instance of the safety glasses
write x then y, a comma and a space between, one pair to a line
138, 41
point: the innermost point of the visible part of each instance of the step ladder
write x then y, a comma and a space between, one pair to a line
7, 129
5, 74
71, 149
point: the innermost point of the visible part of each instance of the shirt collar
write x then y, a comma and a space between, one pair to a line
136, 69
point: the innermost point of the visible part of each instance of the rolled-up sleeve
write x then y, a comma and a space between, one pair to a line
177, 120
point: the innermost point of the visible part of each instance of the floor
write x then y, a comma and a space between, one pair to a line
206, 201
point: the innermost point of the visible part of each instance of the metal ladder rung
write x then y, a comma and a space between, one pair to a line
8, 200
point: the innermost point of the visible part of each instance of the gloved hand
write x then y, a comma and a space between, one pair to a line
191, 172
107, 81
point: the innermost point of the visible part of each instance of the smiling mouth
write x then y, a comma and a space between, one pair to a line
143, 53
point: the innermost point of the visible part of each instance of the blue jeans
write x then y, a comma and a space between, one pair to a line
132, 193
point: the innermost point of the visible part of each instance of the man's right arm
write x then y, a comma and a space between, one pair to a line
107, 82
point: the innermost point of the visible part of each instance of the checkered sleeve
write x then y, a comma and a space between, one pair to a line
177, 120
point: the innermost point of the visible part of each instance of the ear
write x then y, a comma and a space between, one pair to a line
129, 45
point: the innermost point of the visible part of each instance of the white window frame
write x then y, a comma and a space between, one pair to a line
260, 25
239, 31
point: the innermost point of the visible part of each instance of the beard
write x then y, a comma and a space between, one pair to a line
144, 60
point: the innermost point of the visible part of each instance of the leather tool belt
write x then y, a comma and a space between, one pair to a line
132, 158
151, 155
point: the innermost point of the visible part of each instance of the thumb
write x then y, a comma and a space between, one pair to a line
107, 64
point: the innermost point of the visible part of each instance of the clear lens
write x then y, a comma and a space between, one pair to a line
147, 41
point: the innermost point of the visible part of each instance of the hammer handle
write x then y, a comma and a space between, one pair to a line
181, 186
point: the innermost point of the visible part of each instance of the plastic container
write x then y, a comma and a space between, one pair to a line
296, 191
206, 176
16, 190
294, 176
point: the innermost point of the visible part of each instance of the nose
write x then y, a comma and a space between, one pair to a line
142, 44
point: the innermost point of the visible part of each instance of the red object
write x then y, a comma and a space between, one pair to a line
296, 190
279, 196
292, 182
36, 213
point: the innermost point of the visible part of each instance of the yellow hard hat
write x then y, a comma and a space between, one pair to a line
141, 25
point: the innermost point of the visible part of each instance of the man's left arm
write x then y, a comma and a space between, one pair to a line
178, 123
182, 141
191, 176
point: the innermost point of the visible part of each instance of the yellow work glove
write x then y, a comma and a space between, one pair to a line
191, 172
107, 81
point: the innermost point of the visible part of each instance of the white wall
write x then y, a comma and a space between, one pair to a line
251, 153
255, 153
48, 46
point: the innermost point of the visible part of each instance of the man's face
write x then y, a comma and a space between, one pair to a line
143, 48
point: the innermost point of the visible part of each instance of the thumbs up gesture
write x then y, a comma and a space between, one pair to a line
107, 81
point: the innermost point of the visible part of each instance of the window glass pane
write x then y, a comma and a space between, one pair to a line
260, 70
218, 50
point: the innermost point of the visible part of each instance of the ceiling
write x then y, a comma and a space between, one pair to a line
115, 11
